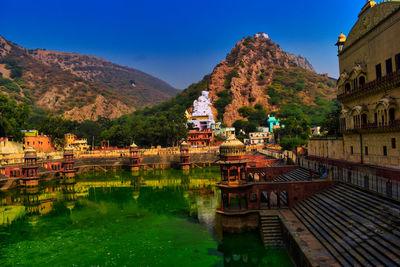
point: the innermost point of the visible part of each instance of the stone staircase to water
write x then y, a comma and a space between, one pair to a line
356, 227
271, 231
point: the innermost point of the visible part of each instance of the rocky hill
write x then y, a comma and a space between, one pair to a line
76, 86
258, 71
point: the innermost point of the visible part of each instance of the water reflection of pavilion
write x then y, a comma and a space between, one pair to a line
198, 193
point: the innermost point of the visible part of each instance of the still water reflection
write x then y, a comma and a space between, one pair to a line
163, 218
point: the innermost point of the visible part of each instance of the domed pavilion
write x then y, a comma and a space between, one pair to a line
233, 162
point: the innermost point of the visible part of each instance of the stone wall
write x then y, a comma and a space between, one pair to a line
161, 161
240, 223
166, 154
330, 147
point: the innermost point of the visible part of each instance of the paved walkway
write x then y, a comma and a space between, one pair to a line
315, 252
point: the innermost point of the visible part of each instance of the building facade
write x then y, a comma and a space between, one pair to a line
369, 86
200, 138
260, 138
77, 144
10, 147
41, 143
273, 124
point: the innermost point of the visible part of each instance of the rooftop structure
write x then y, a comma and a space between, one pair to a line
262, 34
260, 138
200, 138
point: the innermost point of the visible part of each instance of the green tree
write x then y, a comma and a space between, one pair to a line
331, 122
291, 143
13, 117
56, 127
246, 111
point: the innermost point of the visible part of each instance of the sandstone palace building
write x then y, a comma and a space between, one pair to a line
369, 90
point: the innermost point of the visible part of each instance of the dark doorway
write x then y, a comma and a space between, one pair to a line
378, 69
389, 66
392, 114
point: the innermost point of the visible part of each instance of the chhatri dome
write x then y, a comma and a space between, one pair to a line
30, 152
184, 143
342, 38
232, 147
134, 145
68, 149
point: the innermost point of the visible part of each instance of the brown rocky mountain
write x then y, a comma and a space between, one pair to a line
142, 88
258, 71
77, 86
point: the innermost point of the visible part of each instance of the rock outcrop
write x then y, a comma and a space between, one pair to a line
79, 87
249, 70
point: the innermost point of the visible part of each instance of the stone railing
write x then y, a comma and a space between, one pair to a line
18, 158
364, 179
371, 85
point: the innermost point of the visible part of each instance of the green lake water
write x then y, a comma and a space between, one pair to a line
155, 218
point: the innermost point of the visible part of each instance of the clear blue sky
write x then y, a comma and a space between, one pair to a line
178, 41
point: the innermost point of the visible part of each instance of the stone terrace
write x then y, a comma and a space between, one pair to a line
357, 228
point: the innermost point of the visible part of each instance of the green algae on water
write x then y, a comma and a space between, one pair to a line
155, 218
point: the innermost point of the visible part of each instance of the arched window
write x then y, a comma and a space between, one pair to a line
347, 87
361, 81
364, 119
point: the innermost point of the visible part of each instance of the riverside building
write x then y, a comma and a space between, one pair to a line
369, 90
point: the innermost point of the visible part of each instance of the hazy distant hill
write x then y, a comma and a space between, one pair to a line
77, 86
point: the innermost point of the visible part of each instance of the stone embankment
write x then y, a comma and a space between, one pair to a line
105, 160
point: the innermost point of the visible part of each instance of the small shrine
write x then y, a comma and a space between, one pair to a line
135, 159
233, 162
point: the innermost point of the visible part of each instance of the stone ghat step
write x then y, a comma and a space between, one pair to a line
299, 174
271, 227
354, 226
365, 211
271, 231
362, 234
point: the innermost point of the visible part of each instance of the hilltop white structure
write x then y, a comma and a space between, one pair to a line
202, 117
262, 34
